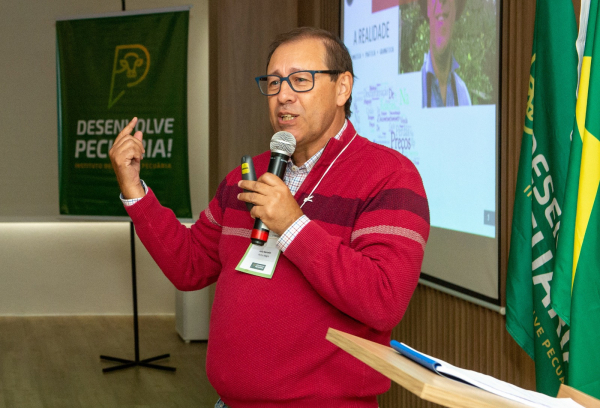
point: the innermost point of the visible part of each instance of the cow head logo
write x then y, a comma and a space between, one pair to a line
130, 67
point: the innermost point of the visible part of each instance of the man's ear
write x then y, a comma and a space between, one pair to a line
344, 88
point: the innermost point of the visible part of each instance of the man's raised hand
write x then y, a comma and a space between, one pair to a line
125, 156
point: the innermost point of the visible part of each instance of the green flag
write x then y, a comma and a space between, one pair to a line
540, 190
576, 290
110, 69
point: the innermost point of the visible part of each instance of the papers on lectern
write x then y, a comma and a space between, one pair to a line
485, 382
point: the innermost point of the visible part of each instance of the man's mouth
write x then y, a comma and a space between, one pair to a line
441, 17
287, 117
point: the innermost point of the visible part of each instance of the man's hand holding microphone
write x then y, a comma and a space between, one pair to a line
274, 205
273, 202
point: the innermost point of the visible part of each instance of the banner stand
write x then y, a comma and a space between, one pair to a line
137, 362
141, 71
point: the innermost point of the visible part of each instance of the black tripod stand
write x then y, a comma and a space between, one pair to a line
137, 362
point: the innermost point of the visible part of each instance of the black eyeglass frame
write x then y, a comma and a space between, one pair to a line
287, 79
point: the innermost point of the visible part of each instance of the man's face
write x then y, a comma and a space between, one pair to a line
442, 15
309, 116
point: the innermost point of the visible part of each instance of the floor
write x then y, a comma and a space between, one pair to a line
55, 362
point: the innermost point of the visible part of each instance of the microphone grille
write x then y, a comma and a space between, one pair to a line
283, 142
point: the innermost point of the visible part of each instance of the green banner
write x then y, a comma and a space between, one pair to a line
110, 69
576, 287
530, 319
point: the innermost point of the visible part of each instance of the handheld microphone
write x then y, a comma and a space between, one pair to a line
283, 145
248, 173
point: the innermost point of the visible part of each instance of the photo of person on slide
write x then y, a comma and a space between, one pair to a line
440, 83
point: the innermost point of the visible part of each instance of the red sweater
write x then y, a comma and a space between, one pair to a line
354, 267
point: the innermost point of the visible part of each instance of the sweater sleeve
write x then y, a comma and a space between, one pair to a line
187, 256
373, 278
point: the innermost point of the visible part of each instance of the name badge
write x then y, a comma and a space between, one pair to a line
261, 260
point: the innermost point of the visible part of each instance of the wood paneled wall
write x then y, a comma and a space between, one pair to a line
449, 328
324, 14
240, 33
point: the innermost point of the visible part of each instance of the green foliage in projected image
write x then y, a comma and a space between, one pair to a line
474, 43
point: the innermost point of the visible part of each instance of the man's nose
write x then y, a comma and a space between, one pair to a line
286, 93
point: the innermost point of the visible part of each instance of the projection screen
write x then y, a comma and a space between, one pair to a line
427, 85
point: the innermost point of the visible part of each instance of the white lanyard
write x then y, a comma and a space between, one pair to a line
310, 196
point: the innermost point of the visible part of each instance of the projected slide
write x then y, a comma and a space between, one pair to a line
427, 86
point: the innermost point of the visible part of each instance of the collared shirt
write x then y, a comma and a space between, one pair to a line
293, 178
456, 90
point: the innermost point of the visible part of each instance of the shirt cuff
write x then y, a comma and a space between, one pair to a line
291, 233
132, 201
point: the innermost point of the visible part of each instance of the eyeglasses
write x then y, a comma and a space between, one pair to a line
301, 81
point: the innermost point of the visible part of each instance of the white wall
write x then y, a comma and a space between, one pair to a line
76, 268
53, 267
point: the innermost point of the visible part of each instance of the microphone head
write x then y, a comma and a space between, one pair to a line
284, 143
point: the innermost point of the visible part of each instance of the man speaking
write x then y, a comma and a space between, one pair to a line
349, 223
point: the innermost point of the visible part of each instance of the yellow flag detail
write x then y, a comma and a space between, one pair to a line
589, 178
582, 97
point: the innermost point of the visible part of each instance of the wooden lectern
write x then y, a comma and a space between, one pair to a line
579, 397
418, 380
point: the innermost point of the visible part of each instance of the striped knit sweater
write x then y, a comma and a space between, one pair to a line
354, 267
